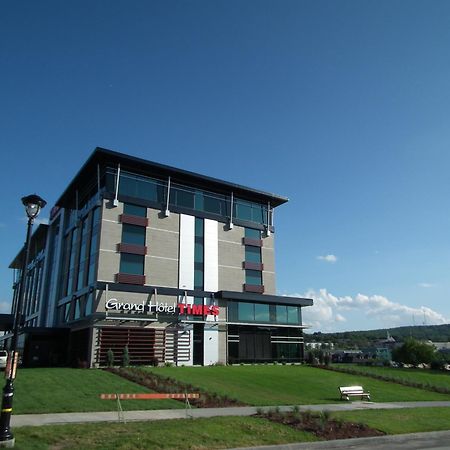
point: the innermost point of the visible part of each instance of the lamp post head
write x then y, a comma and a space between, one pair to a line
33, 205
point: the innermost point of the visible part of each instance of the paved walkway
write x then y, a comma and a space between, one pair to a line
163, 414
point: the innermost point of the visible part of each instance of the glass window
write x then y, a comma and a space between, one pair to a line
252, 254
282, 314
292, 312
232, 308
133, 234
88, 308
198, 278
253, 277
243, 210
246, 312
182, 197
214, 205
134, 210
262, 313
252, 233
132, 264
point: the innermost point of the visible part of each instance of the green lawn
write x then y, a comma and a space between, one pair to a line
399, 421
288, 385
72, 390
216, 433
432, 377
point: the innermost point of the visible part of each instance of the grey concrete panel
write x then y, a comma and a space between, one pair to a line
161, 272
231, 254
162, 243
269, 283
108, 265
234, 235
111, 212
222, 345
157, 220
269, 241
268, 259
231, 279
110, 235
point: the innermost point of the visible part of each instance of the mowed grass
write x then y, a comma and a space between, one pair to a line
215, 433
435, 378
399, 421
76, 390
288, 385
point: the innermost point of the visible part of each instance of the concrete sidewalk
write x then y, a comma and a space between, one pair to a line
164, 414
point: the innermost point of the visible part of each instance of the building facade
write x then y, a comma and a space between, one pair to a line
176, 266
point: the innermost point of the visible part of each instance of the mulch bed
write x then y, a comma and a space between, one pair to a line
322, 426
169, 385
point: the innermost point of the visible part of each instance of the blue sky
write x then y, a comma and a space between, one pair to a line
342, 106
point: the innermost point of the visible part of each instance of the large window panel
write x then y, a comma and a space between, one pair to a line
262, 313
133, 234
253, 277
132, 264
246, 312
134, 210
252, 254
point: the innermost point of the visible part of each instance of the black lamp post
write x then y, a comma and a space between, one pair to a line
33, 205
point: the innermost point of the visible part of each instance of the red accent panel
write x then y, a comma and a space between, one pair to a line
130, 279
132, 248
134, 220
254, 242
253, 266
254, 288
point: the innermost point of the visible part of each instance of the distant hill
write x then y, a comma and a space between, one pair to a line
435, 333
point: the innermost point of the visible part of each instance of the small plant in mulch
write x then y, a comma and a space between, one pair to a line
169, 385
320, 424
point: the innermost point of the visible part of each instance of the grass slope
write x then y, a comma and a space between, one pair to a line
432, 377
76, 390
217, 433
288, 385
399, 421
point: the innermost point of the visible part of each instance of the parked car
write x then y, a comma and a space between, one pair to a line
3, 358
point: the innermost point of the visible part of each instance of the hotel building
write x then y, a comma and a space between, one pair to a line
176, 266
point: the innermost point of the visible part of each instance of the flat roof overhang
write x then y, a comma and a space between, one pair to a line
224, 295
263, 298
105, 157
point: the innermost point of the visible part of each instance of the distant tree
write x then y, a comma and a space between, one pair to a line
414, 352
310, 358
125, 357
110, 358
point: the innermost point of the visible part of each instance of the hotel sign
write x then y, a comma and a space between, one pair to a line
165, 308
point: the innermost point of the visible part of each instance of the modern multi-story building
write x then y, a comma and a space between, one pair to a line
176, 266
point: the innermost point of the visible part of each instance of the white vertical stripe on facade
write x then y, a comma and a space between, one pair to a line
211, 283
187, 240
211, 274
186, 268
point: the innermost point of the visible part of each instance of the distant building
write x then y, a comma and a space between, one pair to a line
177, 266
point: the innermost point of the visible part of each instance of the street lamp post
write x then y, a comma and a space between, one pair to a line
33, 205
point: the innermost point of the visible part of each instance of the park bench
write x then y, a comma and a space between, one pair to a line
147, 396
353, 391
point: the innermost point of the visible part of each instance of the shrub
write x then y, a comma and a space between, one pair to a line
110, 358
125, 357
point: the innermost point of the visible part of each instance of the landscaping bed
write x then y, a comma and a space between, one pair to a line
169, 385
321, 424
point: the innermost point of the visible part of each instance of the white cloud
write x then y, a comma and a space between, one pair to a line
328, 258
5, 307
426, 285
374, 311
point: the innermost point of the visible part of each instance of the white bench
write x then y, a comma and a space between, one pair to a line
353, 391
